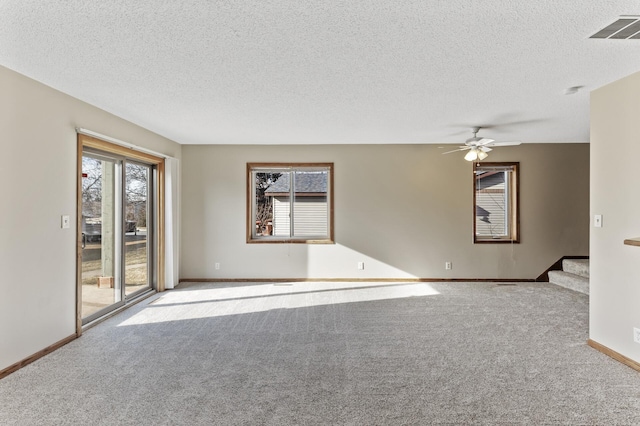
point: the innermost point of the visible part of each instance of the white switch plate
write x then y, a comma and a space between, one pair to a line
597, 220
65, 221
636, 335
216, 265
448, 266
361, 266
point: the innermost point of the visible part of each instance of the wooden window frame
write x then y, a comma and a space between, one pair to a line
513, 184
250, 223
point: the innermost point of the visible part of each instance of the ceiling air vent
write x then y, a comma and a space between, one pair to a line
627, 27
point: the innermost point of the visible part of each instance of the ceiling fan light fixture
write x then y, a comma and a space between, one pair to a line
478, 147
472, 155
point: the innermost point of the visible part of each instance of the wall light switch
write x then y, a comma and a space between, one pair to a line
597, 220
65, 222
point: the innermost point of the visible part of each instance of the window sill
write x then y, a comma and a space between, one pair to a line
289, 241
495, 241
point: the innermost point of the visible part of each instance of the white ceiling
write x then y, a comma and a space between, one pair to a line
327, 71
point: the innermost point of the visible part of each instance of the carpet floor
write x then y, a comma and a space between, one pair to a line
333, 354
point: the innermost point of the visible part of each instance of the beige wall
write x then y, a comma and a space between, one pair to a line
404, 210
615, 194
38, 185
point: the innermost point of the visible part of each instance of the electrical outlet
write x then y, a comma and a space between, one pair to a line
361, 266
216, 265
636, 335
448, 266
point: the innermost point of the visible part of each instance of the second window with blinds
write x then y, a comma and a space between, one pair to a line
290, 202
495, 203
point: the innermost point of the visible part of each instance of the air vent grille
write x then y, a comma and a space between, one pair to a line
627, 27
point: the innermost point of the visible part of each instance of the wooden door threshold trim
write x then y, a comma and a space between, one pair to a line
28, 360
352, 280
615, 355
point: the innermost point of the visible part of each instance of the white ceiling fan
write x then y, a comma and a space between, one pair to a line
479, 147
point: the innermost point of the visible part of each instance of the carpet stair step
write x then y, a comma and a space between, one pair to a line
571, 281
576, 266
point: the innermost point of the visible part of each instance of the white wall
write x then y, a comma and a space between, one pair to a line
615, 194
404, 210
38, 185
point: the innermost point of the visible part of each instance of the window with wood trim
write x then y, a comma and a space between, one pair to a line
290, 202
495, 203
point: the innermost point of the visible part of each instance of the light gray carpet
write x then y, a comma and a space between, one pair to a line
333, 354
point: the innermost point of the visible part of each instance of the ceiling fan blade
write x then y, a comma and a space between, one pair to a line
485, 141
484, 148
506, 143
464, 148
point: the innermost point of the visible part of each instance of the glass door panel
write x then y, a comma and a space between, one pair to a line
137, 228
101, 239
117, 225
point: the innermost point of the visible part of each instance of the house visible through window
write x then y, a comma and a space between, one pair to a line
290, 203
496, 216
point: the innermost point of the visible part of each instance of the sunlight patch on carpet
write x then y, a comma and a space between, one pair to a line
223, 299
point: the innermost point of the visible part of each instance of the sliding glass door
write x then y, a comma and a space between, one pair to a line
101, 236
138, 223
117, 231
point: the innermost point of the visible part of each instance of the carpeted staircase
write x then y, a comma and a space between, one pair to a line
574, 275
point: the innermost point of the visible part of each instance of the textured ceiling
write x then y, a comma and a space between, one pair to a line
327, 71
